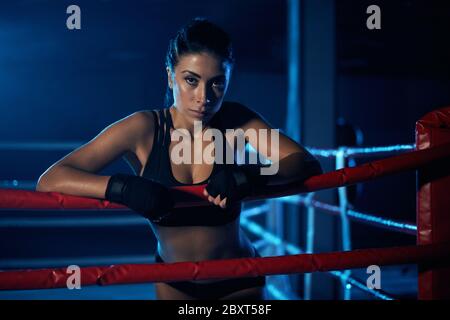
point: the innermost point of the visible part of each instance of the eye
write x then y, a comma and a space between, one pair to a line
191, 81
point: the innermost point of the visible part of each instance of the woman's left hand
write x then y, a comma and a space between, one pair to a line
217, 200
233, 183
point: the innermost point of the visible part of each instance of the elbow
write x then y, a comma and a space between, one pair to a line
301, 166
42, 184
48, 181
311, 168
316, 168
52, 179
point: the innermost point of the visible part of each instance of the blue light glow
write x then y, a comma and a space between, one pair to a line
328, 153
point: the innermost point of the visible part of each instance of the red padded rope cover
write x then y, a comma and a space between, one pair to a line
218, 269
193, 195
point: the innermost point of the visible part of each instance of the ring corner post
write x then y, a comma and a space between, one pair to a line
433, 203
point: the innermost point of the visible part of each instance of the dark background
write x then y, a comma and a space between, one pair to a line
60, 85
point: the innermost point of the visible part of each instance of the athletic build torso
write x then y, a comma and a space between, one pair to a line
191, 234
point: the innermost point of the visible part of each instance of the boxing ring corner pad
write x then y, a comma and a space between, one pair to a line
433, 202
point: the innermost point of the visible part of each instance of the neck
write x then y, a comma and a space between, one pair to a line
180, 121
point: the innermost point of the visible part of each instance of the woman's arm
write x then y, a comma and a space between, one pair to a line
292, 160
289, 160
297, 166
75, 173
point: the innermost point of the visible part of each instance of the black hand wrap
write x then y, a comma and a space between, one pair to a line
145, 196
236, 182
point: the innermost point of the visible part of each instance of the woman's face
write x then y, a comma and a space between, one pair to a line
199, 83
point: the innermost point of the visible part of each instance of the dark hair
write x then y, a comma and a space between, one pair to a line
198, 35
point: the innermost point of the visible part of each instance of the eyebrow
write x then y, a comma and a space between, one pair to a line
198, 76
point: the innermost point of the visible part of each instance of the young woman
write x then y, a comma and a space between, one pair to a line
199, 64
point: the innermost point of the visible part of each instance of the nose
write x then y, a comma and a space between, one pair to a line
202, 97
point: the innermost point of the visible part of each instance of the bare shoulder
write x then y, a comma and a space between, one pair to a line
238, 115
142, 125
235, 107
121, 137
142, 119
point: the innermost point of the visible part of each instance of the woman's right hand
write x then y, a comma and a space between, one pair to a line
145, 196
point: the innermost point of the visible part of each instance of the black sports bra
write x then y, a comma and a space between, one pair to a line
158, 167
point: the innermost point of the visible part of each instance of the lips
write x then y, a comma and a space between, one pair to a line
198, 113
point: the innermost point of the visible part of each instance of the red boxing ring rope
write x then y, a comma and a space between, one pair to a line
229, 268
216, 269
189, 196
